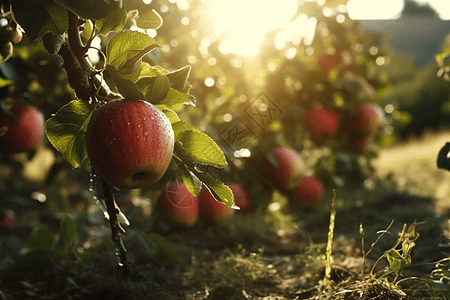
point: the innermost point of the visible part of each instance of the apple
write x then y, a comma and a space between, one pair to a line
178, 205
212, 210
130, 143
284, 167
357, 143
8, 218
322, 123
241, 197
310, 190
328, 62
369, 118
26, 133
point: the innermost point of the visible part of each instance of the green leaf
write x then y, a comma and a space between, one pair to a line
158, 90
192, 183
175, 97
171, 115
67, 237
113, 22
202, 148
40, 16
41, 239
126, 49
396, 261
148, 71
67, 131
91, 9
179, 128
178, 78
218, 189
150, 19
126, 87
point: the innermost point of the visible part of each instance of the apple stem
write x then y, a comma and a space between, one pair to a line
117, 230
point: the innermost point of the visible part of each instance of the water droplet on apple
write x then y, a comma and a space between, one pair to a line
152, 118
144, 119
139, 126
145, 133
128, 123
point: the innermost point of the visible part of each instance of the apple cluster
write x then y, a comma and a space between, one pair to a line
24, 125
324, 125
286, 169
178, 206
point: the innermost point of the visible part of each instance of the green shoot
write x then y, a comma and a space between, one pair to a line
329, 248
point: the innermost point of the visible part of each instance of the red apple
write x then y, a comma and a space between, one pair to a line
130, 143
370, 117
8, 218
328, 62
26, 133
323, 124
241, 197
284, 167
178, 205
212, 210
357, 143
310, 189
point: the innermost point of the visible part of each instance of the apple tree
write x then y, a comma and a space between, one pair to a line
122, 115
327, 89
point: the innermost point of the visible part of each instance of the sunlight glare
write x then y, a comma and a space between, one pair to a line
375, 9
243, 24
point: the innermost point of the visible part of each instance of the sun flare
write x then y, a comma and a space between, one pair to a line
243, 24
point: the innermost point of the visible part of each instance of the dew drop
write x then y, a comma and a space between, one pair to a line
128, 123
152, 118
144, 119
146, 133
139, 126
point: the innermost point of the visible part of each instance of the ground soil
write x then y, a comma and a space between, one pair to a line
276, 255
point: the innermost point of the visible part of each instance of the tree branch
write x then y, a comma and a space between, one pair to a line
117, 230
